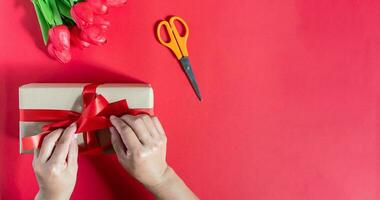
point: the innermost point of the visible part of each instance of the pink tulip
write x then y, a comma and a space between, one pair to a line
59, 43
83, 14
94, 35
91, 26
59, 36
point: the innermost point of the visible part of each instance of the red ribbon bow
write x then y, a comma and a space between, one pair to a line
95, 115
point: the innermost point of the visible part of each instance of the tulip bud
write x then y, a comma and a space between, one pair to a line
59, 36
83, 15
59, 43
94, 35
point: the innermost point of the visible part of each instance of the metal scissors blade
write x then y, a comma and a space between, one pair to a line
186, 66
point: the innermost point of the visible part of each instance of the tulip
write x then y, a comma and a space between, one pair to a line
59, 43
83, 15
91, 26
94, 35
59, 36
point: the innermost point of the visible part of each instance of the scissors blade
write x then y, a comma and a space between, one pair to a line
185, 62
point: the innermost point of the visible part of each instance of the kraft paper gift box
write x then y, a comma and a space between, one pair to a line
68, 96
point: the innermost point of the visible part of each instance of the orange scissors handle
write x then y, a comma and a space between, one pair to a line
177, 43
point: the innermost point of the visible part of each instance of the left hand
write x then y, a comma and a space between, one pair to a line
55, 164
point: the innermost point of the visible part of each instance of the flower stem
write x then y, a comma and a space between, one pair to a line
56, 14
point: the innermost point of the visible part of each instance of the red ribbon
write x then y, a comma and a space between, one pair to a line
95, 115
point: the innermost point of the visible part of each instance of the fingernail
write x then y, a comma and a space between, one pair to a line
73, 125
112, 117
71, 129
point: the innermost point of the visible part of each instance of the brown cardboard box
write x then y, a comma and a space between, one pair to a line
68, 96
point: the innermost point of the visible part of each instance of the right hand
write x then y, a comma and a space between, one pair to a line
140, 145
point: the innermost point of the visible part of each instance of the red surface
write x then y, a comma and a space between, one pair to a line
291, 93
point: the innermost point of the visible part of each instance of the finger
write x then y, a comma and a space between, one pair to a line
117, 143
126, 133
159, 127
150, 126
35, 154
62, 147
138, 126
48, 144
72, 157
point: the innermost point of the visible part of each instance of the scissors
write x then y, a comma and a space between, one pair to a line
177, 44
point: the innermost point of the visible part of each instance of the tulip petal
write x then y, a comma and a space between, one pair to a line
103, 23
115, 2
76, 40
98, 6
94, 35
59, 36
62, 56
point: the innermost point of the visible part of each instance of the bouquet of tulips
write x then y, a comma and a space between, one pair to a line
77, 22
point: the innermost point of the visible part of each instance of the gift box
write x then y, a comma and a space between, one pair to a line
45, 107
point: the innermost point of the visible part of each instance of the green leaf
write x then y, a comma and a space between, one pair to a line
63, 9
43, 23
56, 15
46, 11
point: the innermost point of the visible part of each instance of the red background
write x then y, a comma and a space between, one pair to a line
291, 93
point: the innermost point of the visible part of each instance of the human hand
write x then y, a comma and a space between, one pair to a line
55, 164
140, 145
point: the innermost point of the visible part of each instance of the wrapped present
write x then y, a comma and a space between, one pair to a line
45, 107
